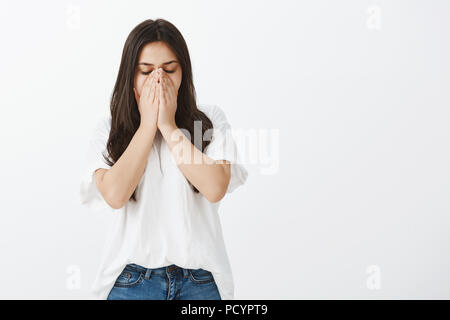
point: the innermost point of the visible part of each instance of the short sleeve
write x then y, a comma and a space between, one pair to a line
90, 196
223, 147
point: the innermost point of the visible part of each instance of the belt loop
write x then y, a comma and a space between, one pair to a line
185, 272
148, 273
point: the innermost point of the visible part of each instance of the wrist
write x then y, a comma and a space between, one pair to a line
167, 127
148, 126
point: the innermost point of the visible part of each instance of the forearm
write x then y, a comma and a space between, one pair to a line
210, 177
119, 182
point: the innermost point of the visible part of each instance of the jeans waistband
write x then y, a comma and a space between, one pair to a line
161, 270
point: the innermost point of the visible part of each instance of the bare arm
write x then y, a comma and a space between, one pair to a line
211, 177
118, 183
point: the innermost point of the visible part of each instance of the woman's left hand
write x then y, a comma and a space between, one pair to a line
167, 102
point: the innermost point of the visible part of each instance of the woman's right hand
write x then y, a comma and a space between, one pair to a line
148, 100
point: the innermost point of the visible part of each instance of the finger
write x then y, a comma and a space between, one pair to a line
150, 88
159, 92
156, 78
145, 89
148, 83
154, 90
148, 80
164, 90
172, 89
168, 89
162, 98
159, 76
170, 84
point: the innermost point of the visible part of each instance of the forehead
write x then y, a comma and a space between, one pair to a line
156, 53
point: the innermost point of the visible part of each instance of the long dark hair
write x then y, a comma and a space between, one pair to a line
125, 116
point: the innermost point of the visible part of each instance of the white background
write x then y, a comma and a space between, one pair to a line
359, 91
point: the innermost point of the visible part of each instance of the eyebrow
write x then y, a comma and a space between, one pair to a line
151, 64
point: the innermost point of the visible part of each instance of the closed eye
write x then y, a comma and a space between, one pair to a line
147, 73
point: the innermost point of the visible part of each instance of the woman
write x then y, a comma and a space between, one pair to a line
162, 164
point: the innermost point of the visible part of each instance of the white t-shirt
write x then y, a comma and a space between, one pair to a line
170, 223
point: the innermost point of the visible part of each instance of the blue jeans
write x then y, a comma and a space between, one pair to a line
166, 283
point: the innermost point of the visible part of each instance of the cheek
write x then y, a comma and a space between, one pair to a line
139, 82
176, 79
